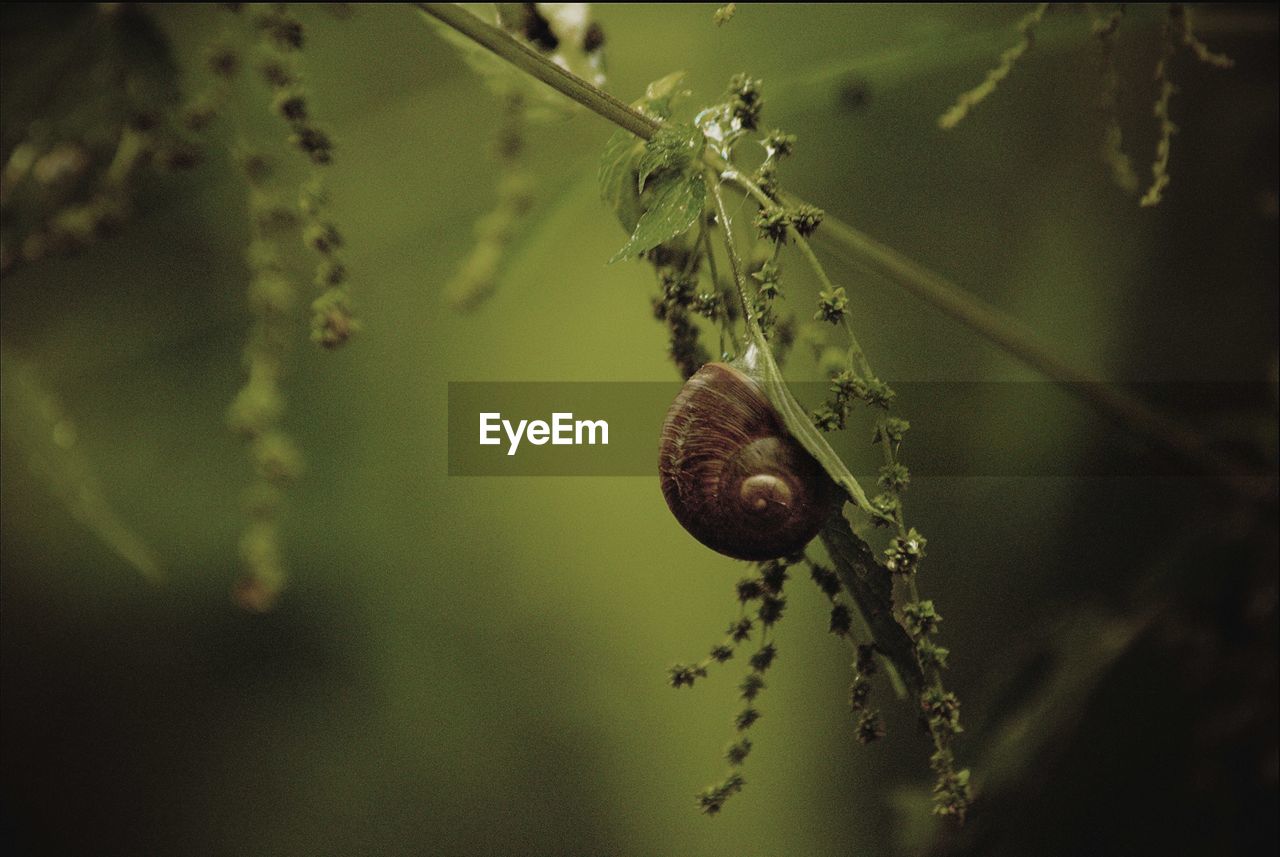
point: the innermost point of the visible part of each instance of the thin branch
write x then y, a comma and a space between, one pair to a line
754, 333
530, 61
1125, 410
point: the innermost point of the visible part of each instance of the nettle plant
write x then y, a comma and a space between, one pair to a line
667, 181
739, 451
744, 467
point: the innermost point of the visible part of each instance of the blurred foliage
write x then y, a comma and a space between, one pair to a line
477, 666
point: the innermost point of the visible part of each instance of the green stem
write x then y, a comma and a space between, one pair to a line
857, 355
531, 62
728, 345
1123, 409
754, 334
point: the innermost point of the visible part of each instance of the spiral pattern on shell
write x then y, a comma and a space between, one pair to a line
733, 475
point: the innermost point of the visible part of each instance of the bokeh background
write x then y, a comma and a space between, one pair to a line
477, 665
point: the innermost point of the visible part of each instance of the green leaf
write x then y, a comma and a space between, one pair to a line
44, 436
619, 188
617, 178
673, 147
758, 359
870, 585
674, 202
661, 96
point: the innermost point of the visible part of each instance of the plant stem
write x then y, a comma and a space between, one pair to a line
530, 61
754, 334
1123, 409
728, 347
857, 355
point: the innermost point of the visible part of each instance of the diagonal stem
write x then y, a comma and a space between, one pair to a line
530, 61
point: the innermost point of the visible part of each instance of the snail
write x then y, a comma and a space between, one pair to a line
733, 475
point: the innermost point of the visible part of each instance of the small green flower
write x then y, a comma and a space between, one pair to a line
865, 662
763, 659
943, 709
766, 178
769, 279
891, 428
878, 394
684, 675
826, 579
921, 618
886, 507
283, 30
778, 143
806, 219
870, 727
773, 575
315, 143
932, 655
291, 104
751, 686
276, 74
826, 418
745, 101
749, 589
770, 611
841, 620
905, 552
859, 692
324, 238
772, 223
332, 321
711, 801
223, 61
738, 752
832, 305
708, 305
895, 477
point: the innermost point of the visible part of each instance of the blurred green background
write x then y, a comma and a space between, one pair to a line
477, 665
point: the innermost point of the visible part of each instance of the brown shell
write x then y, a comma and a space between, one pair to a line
732, 474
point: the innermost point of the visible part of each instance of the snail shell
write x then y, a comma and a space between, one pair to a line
733, 475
